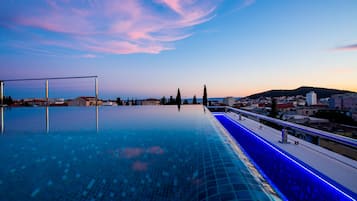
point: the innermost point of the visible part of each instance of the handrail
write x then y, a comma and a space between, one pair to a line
315, 132
50, 78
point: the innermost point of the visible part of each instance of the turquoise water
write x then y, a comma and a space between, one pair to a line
121, 153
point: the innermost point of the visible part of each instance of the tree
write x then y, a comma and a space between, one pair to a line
178, 97
163, 101
336, 116
133, 101
119, 102
204, 100
273, 111
171, 101
185, 102
194, 100
8, 100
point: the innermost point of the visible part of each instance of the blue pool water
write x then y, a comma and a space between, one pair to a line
122, 153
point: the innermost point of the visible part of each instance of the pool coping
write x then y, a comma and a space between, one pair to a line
267, 185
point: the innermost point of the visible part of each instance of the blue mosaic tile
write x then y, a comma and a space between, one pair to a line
163, 155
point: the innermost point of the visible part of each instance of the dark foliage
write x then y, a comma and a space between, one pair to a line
163, 100
194, 100
119, 101
7, 100
336, 117
273, 112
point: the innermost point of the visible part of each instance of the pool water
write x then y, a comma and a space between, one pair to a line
122, 153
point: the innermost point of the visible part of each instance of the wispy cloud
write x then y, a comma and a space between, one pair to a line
243, 4
110, 26
89, 56
247, 3
352, 47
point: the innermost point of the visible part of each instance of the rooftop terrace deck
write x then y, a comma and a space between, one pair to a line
335, 166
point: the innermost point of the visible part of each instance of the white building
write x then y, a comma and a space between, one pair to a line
311, 98
84, 101
230, 101
109, 103
150, 101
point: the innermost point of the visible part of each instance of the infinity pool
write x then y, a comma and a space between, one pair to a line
123, 153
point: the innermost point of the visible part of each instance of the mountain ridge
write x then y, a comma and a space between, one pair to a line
321, 92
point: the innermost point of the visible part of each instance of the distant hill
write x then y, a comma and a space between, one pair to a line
321, 92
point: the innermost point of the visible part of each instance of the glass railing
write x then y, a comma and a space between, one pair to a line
337, 143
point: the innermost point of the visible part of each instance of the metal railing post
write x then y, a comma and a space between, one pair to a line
47, 120
96, 118
1, 93
46, 92
2, 126
96, 90
284, 136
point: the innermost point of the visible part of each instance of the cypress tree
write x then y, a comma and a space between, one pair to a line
178, 97
204, 100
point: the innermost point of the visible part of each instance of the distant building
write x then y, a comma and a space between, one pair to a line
346, 101
301, 102
301, 119
150, 101
34, 102
57, 102
230, 101
84, 101
354, 116
311, 98
109, 103
307, 111
324, 101
284, 106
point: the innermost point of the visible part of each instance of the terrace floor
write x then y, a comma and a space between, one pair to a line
335, 166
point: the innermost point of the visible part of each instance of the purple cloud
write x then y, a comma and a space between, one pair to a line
111, 26
352, 47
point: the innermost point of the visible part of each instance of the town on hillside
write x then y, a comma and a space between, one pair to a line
337, 113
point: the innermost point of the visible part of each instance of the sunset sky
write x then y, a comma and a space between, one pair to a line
149, 48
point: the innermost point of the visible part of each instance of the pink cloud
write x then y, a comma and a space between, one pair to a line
175, 5
352, 47
115, 27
